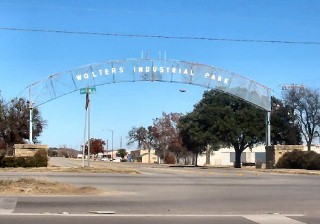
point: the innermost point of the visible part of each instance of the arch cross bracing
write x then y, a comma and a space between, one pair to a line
153, 70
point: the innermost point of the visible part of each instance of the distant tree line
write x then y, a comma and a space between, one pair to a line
217, 120
63, 151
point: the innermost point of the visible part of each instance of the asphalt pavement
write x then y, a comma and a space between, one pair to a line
171, 194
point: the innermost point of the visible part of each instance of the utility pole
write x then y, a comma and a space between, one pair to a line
89, 139
111, 142
30, 117
30, 122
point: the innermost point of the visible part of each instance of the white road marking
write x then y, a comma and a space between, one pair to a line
272, 219
103, 212
259, 218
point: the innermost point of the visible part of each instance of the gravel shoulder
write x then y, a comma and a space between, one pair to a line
31, 186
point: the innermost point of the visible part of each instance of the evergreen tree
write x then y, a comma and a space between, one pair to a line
222, 120
284, 129
14, 123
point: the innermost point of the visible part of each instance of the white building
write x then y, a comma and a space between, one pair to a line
226, 156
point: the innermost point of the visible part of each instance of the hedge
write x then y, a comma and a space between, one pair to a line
298, 159
40, 159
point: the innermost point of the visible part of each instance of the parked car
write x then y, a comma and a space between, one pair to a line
117, 159
105, 159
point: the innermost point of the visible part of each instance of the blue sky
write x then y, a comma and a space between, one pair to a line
27, 57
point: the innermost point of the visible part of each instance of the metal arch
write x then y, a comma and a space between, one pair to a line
132, 70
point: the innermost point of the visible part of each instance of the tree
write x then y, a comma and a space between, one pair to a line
166, 135
65, 151
227, 121
284, 131
177, 148
192, 134
138, 135
3, 145
122, 153
53, 152
148, 142
96, 146
305, 104
14, 123
163, 136
144, 137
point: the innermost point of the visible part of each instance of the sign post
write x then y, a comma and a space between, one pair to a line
87, 91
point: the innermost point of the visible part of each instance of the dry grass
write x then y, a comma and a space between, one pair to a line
31, 186
73, 170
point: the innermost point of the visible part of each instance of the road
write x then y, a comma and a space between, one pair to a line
174, 195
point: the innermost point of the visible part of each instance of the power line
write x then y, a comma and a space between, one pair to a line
161, 36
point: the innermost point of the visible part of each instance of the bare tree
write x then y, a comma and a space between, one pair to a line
144, 137
306, 109
166, 135
138, 135
163, 136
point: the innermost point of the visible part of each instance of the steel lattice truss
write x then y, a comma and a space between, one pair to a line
134, 70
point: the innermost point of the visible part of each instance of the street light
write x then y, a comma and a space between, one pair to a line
111, 143
30, 120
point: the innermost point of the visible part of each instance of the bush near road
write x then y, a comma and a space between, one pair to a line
297, 159
40, 159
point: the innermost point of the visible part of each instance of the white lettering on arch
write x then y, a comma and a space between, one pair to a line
79, 77
145, 69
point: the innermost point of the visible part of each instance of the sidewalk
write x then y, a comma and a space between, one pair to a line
291, 171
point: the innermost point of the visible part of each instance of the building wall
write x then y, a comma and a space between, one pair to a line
24, 150
225, 156
135, 154
275, 152
153, 158
142, 156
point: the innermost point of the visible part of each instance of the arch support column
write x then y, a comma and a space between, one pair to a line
268, 128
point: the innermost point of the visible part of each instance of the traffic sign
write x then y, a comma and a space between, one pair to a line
88, 90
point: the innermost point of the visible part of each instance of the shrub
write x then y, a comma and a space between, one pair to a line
313, 161
170, 159
291, 160
40, 159
1, 161
10, 162
21, 161
300, 160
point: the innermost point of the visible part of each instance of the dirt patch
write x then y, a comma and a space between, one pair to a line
72, 170
31, 186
